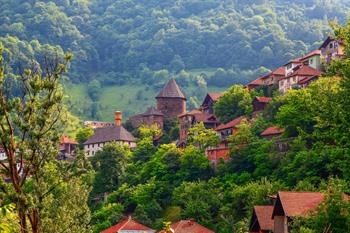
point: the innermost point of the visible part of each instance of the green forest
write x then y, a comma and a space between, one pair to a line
210, 44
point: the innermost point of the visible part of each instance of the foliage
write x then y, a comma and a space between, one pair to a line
83, 134
235, 102
109, 164
202, 137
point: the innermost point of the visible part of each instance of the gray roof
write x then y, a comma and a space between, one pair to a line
108, 134
152, 111
171, 90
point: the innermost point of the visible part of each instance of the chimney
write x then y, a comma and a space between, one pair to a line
118, 118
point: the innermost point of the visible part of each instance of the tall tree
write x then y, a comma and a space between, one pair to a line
30, 124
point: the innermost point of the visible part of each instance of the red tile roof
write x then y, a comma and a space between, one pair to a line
304, 71
307, 80
264, 216
67, 140
234, 123
279, 71
310, 54
263, 99
215, 95
299, 203
201, 116
188, 226
127, 225
256, 82
273, 130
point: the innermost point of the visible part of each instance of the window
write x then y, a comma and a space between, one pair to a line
311, 61
330, 45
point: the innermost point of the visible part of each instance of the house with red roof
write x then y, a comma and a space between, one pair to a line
128, 226
188, 226
67, 148
272, 132
228, 129
293, 204
261, 221
208, 103
312, 59
189, 119
297, 74
260, 103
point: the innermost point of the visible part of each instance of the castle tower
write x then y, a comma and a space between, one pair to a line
171, 101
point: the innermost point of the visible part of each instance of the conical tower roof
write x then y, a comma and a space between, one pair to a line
171, 90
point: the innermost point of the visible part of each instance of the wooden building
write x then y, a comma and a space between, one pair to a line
260, 103
261, 221
209, 101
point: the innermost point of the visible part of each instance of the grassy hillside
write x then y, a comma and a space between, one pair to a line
130, 99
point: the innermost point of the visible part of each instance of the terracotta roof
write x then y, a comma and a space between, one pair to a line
299, 203
215, 95
256, 82
279, 71
189, 226
171, 90
307, 79
235, 122
264, 216
127, 225
108, 134
296, 60
263, 99
310, 54
67, 140
200, 116
304, 71
273, 130
152, 111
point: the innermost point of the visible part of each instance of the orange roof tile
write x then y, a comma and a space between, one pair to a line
279, 71
299, 203
304, 71
273, 130
67, 140
264, 216
127, 225
215, 95
310, 54
189, 226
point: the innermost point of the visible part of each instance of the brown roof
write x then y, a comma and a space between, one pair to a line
234, 123
304, 71
189, 226
152, 111
256, 82
299, 203
171, 90
273, 130
127, 225
307, 79
201, 116
263, 99
215, 95
108, 134
67, 140
279, 71
264, 217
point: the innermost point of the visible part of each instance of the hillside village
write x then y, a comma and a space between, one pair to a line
171, 106
170, 109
